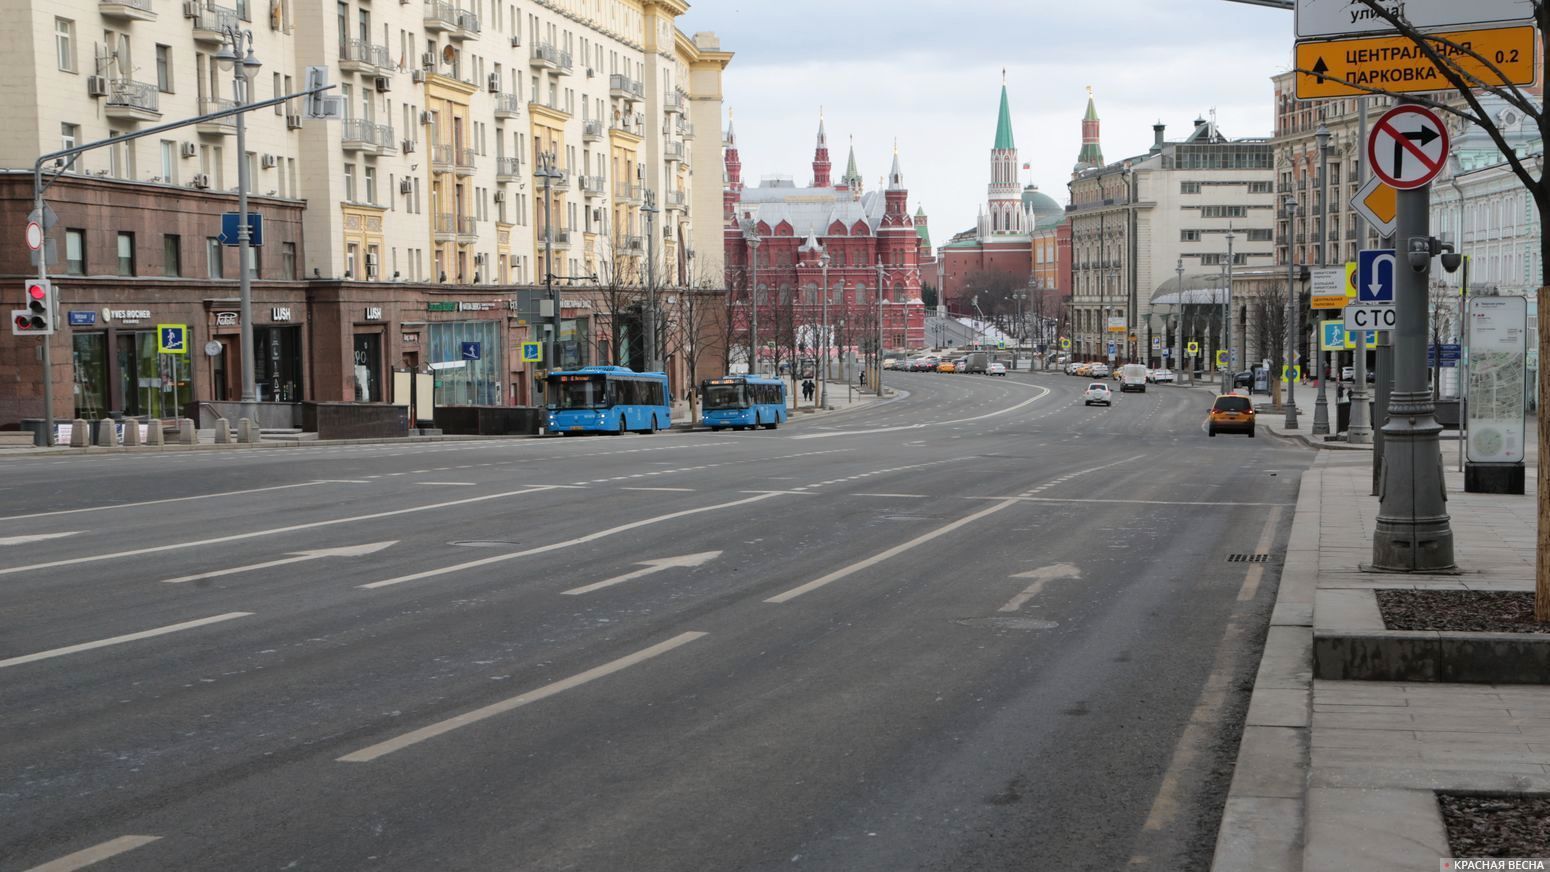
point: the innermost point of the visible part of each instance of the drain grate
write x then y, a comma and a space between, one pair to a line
1248, 558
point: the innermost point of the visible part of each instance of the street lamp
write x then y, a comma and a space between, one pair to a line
1321, 406
236, 56
1178, 348
751, 236
1230, 376
823, 374
547, 172
1288, 358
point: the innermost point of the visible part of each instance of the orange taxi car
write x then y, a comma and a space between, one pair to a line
1231, 413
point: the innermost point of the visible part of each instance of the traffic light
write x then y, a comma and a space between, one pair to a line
37, 319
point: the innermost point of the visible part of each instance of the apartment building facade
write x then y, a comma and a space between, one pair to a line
409, 225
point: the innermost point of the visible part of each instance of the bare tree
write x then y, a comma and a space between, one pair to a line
695, 319
619, 291
1471, 74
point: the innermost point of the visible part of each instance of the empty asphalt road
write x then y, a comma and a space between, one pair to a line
981, 627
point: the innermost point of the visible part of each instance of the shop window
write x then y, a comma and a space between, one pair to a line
277, 363
75, 252
126, 254
91, 375
151, 384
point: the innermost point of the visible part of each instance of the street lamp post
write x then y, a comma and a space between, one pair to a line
237, 56
1178, 348
547, 172
1229, 378
878, 357
1289, 364
822, 398
649, 209
1321, 405
751, 235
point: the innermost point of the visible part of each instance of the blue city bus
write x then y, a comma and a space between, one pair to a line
743, 401
607, 399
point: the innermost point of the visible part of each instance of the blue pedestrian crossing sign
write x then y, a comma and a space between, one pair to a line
471, 350
171, 338
532, 352
1375, 277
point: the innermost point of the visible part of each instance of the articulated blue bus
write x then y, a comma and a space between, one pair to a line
743, 401
607, 399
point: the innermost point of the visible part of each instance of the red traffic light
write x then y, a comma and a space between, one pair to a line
36, 291
23, 322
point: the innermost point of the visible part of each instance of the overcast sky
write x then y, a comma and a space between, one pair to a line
929, 73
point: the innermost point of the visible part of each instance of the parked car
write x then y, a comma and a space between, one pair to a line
1244, 379
1162, 376
1097, 392
1083, 370
1072, 367
1099, 370
995, 369
1231, 413
947, 366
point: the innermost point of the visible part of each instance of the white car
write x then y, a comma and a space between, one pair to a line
996, 369
1099, 370
1097, 392
1162, 377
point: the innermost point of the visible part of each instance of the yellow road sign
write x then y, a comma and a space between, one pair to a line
1379, 205
1192, 348
1350, 280
1221, 358
1395, 64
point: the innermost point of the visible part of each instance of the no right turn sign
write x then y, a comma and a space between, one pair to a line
1407, 147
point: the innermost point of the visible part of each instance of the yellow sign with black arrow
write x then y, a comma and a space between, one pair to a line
1330, 68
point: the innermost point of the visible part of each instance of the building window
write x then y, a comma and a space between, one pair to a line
164, 68
1260, 188
75, 252
349, 182
169, 161
1261, 235
64, 43
370, 176
288, 261
69, 135
126, 254
352, 253
172, 255
1224, 211
1189, 235
1189, 187
371, 261
213, 258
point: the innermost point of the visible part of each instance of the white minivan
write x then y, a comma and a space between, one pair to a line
1132, 377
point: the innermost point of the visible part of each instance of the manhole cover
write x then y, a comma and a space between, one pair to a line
1008, 623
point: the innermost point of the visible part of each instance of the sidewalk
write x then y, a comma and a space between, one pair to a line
1335, 772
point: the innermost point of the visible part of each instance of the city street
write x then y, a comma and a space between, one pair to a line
978, 627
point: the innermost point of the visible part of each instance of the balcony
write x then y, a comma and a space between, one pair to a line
467, 25
463, 161
684, 129
631, 123
211, 22
358, 134
548, 56
551, 105
592, 186
359, 56
467, 231
441, 16
673, 150
592, 130
507, 105
441, 158
132, 101
221, 126
676, 200
673, 103
128, 10
561, 238
508, 169
633, 245
620, 85
627, 192
446, 227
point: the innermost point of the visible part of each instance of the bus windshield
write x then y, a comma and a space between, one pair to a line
578, 392
725, 397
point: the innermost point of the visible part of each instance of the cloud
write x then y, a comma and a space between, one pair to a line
930, 74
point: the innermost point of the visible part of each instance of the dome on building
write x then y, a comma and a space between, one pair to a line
1045, 209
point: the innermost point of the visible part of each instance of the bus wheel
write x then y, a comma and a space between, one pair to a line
773, 424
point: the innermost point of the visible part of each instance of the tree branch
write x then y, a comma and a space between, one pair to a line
1409, 98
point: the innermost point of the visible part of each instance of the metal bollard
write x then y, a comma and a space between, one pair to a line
80, 433
222, 431
186, 432
131, 433
153, 434
107, 433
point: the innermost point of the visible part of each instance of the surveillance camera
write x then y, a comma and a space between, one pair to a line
1420, 260
1451, 261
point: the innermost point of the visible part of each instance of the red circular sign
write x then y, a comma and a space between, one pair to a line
1408, 147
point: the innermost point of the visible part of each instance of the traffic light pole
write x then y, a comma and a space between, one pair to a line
68, 156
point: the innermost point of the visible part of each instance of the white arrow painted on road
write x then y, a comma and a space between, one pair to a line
38, 537
1041, 576
296, 557
650, 567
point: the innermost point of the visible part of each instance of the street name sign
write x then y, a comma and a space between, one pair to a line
1407, 147
230, 228
1352, 17
1375, 277
1370, 317
1378, 204
1397, 65
1329, 287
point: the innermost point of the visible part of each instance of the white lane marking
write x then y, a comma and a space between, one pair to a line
382, 749
894, 496
649, 567
257, 490
1028, 499
296, 557
449, 483
686, 490
568, 543
36, 537
342, 481
95, 854
1044, 393
772, 493
237, 537
1256, 573
885, 555
119, 640
1041, 576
